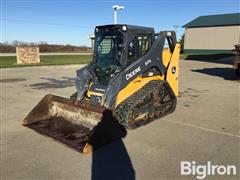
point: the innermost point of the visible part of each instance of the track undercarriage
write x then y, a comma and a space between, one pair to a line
151, 102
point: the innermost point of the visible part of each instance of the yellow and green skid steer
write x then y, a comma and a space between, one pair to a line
131, 81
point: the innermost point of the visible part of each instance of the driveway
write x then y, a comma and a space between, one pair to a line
205, 127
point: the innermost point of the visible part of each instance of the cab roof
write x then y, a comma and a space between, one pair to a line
129, 27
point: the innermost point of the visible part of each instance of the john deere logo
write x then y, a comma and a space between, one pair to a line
173, 69
131, 74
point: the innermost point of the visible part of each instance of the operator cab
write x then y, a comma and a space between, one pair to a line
117, 46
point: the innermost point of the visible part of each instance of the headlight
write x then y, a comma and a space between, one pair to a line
124, 28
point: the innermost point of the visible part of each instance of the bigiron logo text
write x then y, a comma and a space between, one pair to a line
131, 74
202, 171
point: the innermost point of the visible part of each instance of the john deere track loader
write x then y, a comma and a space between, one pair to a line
131, 81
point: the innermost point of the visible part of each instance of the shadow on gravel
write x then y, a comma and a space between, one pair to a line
54, 83
214, 58
11, 80
226, 73
112, 160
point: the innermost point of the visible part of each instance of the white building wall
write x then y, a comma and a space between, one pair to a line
215, 38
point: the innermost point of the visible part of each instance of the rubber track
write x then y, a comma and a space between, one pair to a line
142, 96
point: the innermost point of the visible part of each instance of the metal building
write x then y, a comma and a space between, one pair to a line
212, 34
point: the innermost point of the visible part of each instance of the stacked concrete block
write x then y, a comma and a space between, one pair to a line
27, 54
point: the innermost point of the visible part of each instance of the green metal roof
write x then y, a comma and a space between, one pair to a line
215, 20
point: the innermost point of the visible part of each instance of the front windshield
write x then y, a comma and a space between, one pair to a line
108, 51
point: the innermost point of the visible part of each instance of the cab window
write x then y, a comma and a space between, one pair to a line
139, 46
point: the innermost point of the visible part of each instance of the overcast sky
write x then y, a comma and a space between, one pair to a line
71, 21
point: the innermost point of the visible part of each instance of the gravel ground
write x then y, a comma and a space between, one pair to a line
204, 127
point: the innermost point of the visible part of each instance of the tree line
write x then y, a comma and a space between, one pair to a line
7, 47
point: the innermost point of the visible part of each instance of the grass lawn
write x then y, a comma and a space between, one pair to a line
183, 56
10, 61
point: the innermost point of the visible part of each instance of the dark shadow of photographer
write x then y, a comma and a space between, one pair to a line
112, 160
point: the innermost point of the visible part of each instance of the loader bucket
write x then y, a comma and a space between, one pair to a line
65, 121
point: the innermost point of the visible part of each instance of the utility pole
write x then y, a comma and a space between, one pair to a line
92, 37
116, 8
176, 28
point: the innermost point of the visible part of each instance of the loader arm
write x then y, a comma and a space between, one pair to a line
173, 70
